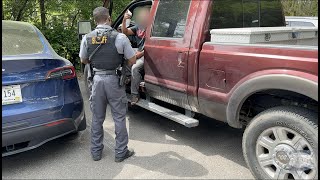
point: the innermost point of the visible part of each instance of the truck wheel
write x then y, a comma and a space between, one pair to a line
87, 82
282, 143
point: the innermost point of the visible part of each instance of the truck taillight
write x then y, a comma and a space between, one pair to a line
67, 72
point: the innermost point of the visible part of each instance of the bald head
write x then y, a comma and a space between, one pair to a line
101, 15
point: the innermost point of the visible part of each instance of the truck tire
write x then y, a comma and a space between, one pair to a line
282, 143
87, 82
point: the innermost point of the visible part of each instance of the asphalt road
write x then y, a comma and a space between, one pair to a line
164, 149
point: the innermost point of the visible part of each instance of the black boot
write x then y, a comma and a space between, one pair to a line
128, 154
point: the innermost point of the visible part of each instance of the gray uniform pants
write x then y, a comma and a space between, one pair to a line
136, 75
106, 90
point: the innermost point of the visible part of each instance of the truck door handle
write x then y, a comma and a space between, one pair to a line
181, 58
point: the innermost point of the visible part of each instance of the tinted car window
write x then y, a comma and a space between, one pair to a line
170, 20
246, 13
20, 38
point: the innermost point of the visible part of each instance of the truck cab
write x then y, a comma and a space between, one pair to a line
185, 26
267, 86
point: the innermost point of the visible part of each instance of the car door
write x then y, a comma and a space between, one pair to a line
166, 50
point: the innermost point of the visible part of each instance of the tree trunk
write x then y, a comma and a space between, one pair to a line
43, 13
75, 17
106, 3
2, 11
20, 12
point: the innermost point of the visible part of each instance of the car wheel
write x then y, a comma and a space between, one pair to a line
282, 143
87, 81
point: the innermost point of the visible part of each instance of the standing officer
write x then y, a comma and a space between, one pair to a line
105, 48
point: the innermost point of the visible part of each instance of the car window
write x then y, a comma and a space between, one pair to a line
301, 23
170, 20
246, 13
20, 38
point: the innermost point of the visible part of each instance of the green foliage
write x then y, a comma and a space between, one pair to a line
300, 7
62, 16
64, 40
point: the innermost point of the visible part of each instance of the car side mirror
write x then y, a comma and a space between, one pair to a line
84, 27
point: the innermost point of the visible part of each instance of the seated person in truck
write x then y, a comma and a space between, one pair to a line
137, 34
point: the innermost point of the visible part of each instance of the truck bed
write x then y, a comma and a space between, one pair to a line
225, 66
267, 35
229, 58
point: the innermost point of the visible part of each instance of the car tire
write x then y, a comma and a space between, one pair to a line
87, 82
290, 129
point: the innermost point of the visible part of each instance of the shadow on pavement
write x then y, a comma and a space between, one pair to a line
210, 138
170, 163
178, 165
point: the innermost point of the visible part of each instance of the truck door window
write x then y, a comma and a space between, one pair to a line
170, 20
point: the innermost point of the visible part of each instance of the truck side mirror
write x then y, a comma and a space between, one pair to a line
84, 27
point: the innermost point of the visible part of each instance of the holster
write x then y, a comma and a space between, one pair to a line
89, 69
121, 72
90, 73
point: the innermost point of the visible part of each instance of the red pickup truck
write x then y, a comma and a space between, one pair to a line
270, 89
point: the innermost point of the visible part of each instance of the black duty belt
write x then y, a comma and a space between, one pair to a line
106, 72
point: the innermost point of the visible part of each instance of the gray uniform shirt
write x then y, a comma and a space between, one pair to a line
122, 43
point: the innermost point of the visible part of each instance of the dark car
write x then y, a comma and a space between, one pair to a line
41, 98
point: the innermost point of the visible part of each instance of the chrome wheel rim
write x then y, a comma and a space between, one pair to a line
283, 153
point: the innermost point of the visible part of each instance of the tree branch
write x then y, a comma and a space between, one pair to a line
74, 18
2, 12
42, 13
20, 13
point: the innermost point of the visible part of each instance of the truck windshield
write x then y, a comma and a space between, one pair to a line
246, 13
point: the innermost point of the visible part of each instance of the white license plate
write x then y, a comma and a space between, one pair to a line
11, 94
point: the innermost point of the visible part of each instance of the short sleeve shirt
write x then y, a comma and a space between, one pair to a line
122, 44
138, 37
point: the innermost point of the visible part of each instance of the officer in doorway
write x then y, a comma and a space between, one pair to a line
106, 49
